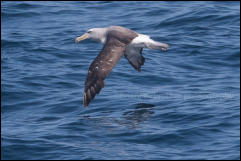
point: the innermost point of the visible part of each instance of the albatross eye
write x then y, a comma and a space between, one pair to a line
89, 31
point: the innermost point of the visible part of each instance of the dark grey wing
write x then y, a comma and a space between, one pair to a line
100, 68
134, 56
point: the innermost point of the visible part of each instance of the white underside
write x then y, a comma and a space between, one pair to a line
144, 41
140, 41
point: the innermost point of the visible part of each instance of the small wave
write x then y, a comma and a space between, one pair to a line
26, 6
26, 14
234, 56
13, 43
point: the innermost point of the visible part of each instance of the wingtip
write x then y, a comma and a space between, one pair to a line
85, 101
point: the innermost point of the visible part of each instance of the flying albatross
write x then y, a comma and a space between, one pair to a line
118, 41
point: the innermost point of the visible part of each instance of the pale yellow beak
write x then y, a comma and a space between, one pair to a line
83, 37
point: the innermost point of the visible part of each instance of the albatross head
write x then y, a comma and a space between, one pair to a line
96, 34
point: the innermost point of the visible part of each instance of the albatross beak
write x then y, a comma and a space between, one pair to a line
83, 37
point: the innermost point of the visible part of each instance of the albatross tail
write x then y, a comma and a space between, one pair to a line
157, 45
145, 41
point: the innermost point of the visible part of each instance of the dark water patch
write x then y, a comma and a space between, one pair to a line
65, 11
16, 15
25, 6
48, 119
235, 56
60, 108
14, 43
144, 105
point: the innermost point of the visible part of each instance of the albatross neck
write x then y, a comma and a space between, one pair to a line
103, 35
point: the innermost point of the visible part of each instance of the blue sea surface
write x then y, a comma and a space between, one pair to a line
184, 104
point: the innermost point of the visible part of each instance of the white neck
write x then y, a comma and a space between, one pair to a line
99, 34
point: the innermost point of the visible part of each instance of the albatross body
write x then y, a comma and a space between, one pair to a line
118, 41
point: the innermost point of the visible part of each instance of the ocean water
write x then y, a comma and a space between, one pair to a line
185, 104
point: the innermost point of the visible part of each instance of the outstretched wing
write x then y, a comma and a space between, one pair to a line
134, 56
100, 68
